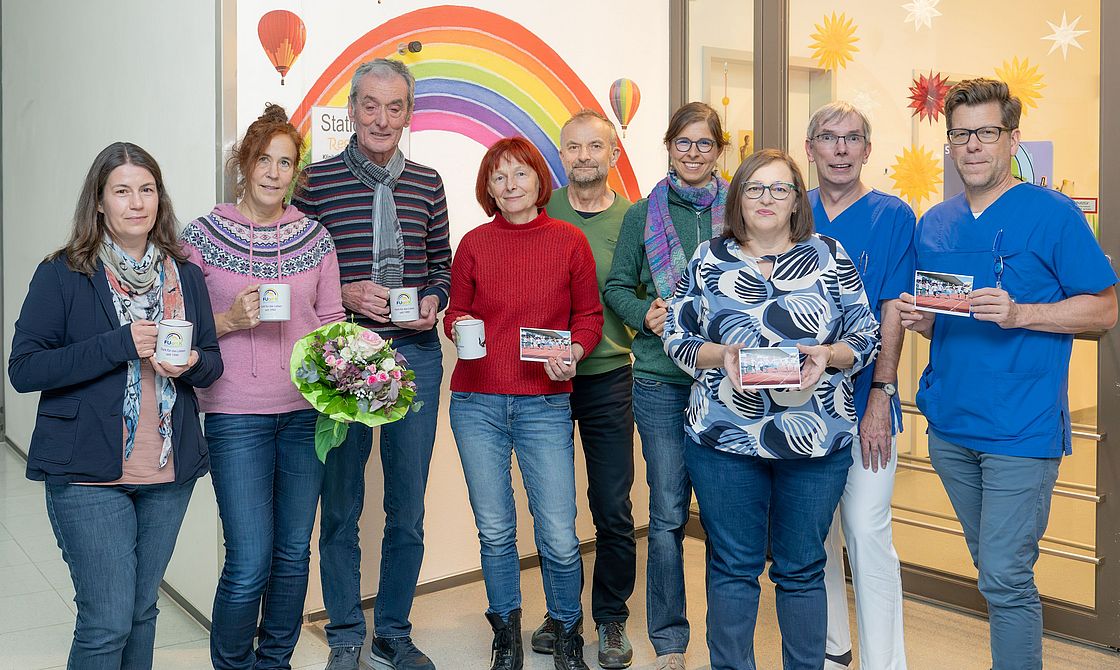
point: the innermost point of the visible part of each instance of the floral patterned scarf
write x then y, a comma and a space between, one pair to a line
147, 289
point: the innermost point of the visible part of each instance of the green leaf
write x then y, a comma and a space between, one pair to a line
328, 435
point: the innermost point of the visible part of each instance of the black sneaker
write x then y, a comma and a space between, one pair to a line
544, 637
343, 658
614, 647
397, 653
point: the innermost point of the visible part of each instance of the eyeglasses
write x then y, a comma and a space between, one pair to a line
779, 190
830, 139
986, 135
997, 259
684, 145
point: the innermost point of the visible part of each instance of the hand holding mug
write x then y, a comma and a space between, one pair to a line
367, 298
245, 311
144, 338
170, 370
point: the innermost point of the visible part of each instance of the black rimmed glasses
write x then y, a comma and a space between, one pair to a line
779, 190
986, 135
830, 139
684, 145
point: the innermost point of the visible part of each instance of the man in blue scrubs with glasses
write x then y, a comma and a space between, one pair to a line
994, 391
877, 230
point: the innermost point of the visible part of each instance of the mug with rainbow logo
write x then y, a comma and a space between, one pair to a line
276, 302
403, 304
173, 341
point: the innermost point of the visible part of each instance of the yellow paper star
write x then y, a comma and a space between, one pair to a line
834, 42
1023, 79
916, 174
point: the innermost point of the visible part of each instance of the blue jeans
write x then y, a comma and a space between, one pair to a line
601, 407
117, 541
489, 429
743, 500
406, 453
1003, 504
266, 479
659, 412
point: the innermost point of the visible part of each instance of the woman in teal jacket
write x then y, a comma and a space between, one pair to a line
659, 234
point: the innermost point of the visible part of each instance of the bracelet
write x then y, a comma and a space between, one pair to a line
831, 351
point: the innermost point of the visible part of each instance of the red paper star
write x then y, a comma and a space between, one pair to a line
927, 96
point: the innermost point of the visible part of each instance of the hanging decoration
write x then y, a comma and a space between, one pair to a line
625, 97
916, 174
921, 13
1064, 36
865, 101
726, 100
927, 96
1024, 81
834, 42
282, 35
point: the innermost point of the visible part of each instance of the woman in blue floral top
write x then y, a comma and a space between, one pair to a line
769, 462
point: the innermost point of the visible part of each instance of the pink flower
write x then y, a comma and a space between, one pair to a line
372, 367
396, 374
371, 380
373, 338
382, 376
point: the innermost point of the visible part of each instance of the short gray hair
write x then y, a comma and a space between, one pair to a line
383, 68
834, 111
585, 114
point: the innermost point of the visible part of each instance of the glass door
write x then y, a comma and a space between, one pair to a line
895, 64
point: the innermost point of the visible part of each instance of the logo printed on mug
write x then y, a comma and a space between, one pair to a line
173, 340
269, 295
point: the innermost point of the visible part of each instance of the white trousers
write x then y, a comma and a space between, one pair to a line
865, 512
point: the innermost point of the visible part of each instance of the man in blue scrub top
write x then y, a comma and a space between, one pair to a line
877, 230
994, 391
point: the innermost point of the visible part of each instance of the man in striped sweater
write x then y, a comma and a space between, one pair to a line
388, 218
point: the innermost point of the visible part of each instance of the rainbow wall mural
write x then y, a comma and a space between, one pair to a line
479, 75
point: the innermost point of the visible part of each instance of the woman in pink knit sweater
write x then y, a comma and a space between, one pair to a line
260, 430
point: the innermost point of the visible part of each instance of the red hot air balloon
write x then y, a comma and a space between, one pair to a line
282, 35
625, 97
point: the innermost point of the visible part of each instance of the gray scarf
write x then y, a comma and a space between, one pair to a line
388, 243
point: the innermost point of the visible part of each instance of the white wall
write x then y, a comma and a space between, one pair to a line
78, 76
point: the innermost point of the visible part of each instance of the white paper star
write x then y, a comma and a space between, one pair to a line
921, 12
865, 102
1064, 36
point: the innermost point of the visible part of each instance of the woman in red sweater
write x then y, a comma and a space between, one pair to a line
522, 270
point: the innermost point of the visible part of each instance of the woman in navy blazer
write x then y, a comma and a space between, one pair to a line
117, 437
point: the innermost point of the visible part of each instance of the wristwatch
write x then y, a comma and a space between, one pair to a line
886, 387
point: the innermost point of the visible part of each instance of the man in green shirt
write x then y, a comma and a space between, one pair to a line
601, 389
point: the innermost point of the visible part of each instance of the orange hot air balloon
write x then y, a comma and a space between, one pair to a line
625, 97
282, 35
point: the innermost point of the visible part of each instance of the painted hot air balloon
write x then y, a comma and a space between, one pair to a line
625, 97
282, 35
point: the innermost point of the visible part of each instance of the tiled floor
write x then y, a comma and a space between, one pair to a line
37, 599
37, 616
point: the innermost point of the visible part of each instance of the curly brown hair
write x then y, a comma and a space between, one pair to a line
272, 122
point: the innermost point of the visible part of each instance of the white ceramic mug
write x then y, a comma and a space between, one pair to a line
173, 341
404, 305
470, 339
276, 302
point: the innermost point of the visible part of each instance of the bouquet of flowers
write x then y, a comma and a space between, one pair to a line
349, 373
